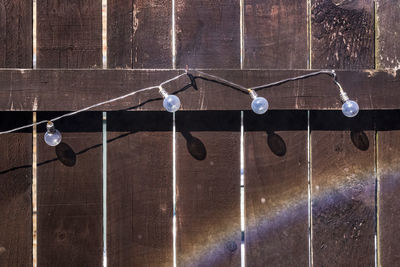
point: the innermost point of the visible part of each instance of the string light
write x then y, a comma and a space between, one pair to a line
350, 108
172, 103
259, 104
52, 137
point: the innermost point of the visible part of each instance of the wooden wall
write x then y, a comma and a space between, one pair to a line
319, 189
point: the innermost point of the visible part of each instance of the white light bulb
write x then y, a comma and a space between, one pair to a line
259, 105
52, 137
350, 108
171, 103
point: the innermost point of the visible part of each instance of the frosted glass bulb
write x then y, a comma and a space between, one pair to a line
52, 137
171, 103
350, 108
259, 105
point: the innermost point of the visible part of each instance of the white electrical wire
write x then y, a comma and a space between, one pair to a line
332, 73
95, 105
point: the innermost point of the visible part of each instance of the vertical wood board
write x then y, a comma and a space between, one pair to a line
69, 34
15, 34
275, 34
276, 189
207, 34
69, 193
139, 189
343, 189
139, 34
208, 188
16, 191
343, 34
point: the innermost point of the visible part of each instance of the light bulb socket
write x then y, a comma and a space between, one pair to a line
253, 94
343, 96
163, 92
50, 127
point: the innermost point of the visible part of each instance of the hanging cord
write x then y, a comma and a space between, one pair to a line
94, 106
204, 76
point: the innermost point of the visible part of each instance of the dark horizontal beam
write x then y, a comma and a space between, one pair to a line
68, 90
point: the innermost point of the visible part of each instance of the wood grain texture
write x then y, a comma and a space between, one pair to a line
16, 192
276, 175
15, 34
119, 33
342, 34
69, 193
343, 189
388, 15
388, 187
208, 34
275, 34
208, 188
139, 34
69, 34
139, 197
41, 89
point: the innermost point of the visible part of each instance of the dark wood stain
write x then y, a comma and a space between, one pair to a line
343, 194
139, 34
15, 34
208, 190
69, 34
208, 34
70, 195
371, 89
343, 34
276, 189
275, 34
388, 171
15, 192
139, 189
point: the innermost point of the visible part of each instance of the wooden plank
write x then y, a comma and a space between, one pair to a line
388, 185
276, 175
275, 34
343, 189
139, 197
208, 33
69, 193
343, 34
69, 34
16, 192
16, 34
208, 188
388, 15
41, 89
119, 33
139, 34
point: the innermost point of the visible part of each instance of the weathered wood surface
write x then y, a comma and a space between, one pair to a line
388, 163
69, 34
275, 34
139, 189
208, 33
139, 34
208, 188
16, 192
343, 189
69, 193
276, 175
388, 48
343, 34
16, 34
27, 90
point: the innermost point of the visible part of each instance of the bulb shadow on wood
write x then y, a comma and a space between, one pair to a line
65, 154
359, 140
276, 144
195, 146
